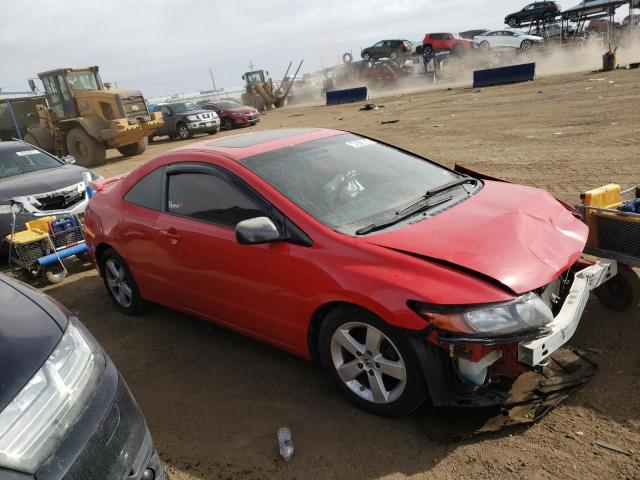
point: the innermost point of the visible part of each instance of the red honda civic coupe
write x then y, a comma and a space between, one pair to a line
406, 279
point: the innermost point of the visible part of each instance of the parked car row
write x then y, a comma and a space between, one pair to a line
184, 119
550, 10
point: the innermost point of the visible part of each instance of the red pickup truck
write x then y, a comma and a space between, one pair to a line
438, 42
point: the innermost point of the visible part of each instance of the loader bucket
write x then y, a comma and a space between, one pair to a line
504, 75
348, 95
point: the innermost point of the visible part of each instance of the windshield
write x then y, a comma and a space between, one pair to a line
346, 181
24, 159
82, 81
228, 104
183, 107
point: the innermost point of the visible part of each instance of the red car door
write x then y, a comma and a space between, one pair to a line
243, 286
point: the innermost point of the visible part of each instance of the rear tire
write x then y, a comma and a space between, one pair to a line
134, 148
621, 292
366, 56
120, 284
484, 45
513, 22
87, 151
372, 362
427, 49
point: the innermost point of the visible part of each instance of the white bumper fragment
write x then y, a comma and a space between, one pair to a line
564, 325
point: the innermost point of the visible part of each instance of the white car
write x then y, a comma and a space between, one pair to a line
507, 39
589, 7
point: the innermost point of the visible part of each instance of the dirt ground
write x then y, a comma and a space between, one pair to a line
214, 399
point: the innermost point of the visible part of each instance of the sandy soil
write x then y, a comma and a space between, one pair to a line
214, 399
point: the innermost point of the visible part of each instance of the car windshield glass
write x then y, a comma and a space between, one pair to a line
183, 107
346, 181
24, 160
226, 105
82, 81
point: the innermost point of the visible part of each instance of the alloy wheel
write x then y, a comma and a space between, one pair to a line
183, 131
118, 283
368, 362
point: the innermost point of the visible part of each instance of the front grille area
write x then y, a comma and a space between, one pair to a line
135, 108
60, 199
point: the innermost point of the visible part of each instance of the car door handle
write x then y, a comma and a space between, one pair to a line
171, 234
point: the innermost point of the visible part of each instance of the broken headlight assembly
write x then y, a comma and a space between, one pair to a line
527, 312
36, 420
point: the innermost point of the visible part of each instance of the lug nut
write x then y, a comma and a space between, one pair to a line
360, 365
371, 372
368, 353
377, 365
359, 354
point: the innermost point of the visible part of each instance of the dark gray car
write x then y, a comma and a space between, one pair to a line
49, 183
65, 411
183, 119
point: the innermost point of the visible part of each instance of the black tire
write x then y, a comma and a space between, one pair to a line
137, 304
213, 132
414, 390
393, 55
427, 49
366, 56
227, 124
513, 22
134, 148
31, 140
526, 45
87, 151
183, 132
621, 292
347, 58
484, 45
55, 273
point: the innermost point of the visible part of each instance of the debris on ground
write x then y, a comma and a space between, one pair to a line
297, 115
611, 446
371, 106
385, 122
285, 443
439, 125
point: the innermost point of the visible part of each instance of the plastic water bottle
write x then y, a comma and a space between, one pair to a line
285, 442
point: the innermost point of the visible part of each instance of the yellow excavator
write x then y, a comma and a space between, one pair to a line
83, 117
262, 94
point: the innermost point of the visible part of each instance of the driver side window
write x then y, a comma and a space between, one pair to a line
209, 198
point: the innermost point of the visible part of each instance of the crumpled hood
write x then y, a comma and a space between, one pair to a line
519, 236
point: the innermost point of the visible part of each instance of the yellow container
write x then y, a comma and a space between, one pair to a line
607, 196
37, 230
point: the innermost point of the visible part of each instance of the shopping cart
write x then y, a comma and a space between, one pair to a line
48, 238
614, 234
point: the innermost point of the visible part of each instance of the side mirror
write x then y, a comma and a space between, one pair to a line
32, 85
70, 159
256, 231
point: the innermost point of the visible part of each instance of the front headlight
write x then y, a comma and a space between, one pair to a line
192, 118
35, 421
527, 312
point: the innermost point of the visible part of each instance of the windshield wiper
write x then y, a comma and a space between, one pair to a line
418, 206
435, 191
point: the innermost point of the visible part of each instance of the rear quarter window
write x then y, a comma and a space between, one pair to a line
147, 192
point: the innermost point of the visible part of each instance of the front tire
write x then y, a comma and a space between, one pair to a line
183, 132
372, 362
121, 285
135, 148
366, 56
621, 292
87, 151
55, 273
513, 22
227, 124
484, 45
526, 45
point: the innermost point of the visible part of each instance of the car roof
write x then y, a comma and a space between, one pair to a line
246, 145
13, 145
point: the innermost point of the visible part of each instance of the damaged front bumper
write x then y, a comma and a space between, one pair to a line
524, 376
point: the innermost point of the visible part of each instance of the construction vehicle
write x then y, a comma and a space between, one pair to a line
261, 93
83, 117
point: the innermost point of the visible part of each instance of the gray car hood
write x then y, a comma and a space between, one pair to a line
41, 181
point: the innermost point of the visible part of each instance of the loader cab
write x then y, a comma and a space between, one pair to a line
254, 78
61, 85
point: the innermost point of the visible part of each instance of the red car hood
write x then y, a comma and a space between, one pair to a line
242, 110
519, 236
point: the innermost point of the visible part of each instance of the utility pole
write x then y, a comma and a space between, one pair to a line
212, 80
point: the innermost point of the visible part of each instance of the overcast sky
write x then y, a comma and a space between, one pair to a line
164, 47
